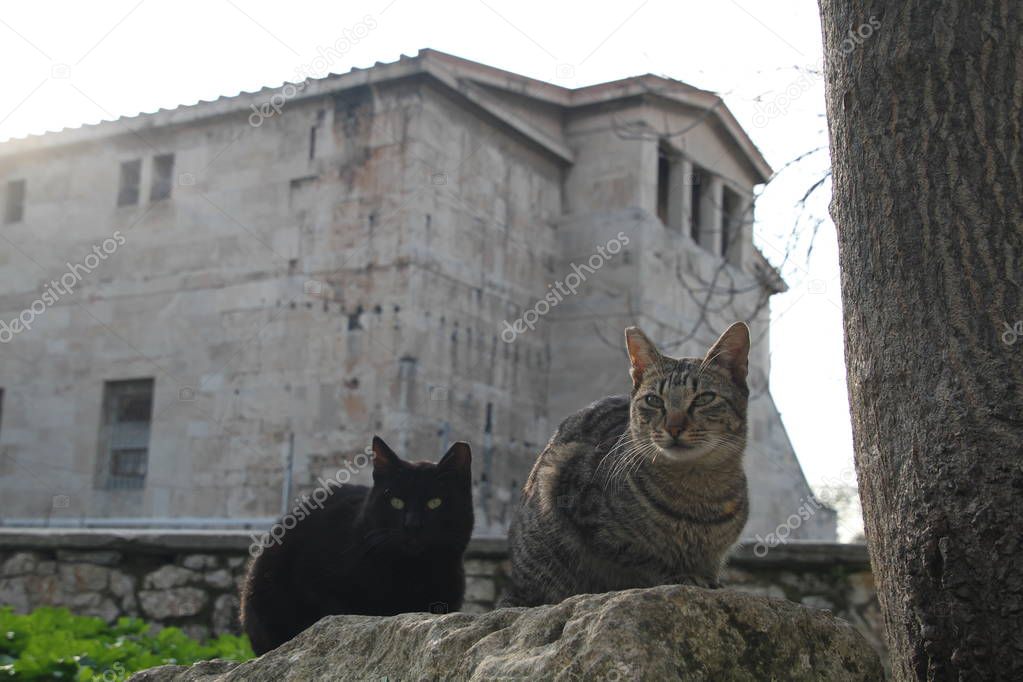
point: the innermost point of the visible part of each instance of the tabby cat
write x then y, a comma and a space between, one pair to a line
639, 490
392, 548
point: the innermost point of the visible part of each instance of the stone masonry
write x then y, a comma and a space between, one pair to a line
191, 579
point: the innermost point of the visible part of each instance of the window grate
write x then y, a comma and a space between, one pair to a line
124, 448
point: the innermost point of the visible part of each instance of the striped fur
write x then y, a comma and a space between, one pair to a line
614, 501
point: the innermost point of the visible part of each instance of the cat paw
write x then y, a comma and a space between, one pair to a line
700, 581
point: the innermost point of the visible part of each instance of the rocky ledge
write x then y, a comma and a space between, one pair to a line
663, 633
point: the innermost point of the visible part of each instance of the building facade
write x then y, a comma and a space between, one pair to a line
208, 311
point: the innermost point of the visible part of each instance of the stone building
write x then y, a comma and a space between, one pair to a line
205, 310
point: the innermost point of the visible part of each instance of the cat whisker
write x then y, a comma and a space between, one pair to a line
623, 441
631, 461
611, 474
638, 460
626, 441
619, 465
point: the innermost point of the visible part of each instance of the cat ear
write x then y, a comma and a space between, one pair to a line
384, 459
458, 458
731, 351
642, 353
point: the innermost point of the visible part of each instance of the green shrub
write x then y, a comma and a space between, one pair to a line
53, 644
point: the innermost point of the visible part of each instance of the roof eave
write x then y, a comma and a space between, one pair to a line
459, 75
772, 279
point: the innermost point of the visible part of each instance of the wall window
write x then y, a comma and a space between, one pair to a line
14, 201
124, 436
728, 227
131, 177
731, 226
672, 185
664, 189
163, 177
696, 189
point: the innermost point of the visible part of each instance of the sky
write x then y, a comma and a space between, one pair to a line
63, 64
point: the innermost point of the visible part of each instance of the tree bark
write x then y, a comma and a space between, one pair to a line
925, 115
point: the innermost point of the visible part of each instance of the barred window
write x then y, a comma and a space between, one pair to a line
124, 440
696, 212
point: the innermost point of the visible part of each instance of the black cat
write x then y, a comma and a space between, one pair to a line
392, 548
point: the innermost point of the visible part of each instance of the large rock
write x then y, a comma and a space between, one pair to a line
664, 633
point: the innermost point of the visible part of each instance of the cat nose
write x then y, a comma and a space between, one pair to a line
413, 522
675, 427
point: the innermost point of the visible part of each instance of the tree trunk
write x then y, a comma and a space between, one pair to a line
925, 107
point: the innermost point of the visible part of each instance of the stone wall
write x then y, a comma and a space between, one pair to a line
185, 579
190, 579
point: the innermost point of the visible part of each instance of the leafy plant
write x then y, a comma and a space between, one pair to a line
53, 644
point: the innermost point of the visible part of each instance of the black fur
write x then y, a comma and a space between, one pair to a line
358, 554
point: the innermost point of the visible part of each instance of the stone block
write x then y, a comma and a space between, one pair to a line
21, 563
220, 578
225, 615
199, 562
168, 576
77, 578
480, 567
13, 594
122, 584
861, 588
172, 603
480, 590
94, 604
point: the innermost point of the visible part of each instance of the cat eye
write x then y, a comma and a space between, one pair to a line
434, 503
705, 398
654, 400
397, 503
